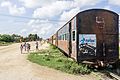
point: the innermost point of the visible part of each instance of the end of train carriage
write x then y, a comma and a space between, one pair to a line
92, 36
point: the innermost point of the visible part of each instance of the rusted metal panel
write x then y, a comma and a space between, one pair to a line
64, 38
63, 45
104, 25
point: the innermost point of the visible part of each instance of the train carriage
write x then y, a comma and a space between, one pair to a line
98, 36
91, 36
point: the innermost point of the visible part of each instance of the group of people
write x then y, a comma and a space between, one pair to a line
27, 46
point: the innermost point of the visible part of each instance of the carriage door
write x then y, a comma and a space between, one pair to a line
100, 24
109, 35
108, 46
73, 38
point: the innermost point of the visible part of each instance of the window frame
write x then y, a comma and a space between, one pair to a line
73, 35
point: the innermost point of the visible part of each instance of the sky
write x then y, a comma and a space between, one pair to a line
45, 17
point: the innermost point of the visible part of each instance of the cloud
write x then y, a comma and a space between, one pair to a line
52, 10
59, 10
35, 3
114, 2
30, 22
107, 7
23, 31
41, 3
86, 2
6, 4
42, 27
67, 15
37, 26
57, 7
13, 9
34, 31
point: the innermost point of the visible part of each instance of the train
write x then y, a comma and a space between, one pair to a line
91, 37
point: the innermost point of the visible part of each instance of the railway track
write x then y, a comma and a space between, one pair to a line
115, 76
108, 74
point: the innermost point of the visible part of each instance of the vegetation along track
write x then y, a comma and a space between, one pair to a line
53, 53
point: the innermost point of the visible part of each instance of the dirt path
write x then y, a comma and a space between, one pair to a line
15, 66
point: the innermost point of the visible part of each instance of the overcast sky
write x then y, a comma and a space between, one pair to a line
45, 17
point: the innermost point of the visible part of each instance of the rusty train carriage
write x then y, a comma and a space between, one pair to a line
92, 36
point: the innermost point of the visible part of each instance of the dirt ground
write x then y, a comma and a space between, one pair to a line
15, 66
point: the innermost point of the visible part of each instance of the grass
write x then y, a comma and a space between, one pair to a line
5, 43
53, 58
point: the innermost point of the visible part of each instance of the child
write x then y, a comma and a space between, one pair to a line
21, 48
28, 47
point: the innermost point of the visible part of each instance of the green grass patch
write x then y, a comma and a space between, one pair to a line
5, 43
53, 58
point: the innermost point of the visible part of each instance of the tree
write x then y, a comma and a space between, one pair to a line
33, 37
16, 37
6, 38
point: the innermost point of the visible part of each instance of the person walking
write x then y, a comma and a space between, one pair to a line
24, 46
21, 48
36, 45
28, 47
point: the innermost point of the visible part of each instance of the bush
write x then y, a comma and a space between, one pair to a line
59, 60
77, 69
52, 46
48, 57
67, 66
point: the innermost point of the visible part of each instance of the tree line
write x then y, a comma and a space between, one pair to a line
17, 38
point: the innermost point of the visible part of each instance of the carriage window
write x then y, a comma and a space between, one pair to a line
65, 36
73, 35
60, 37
